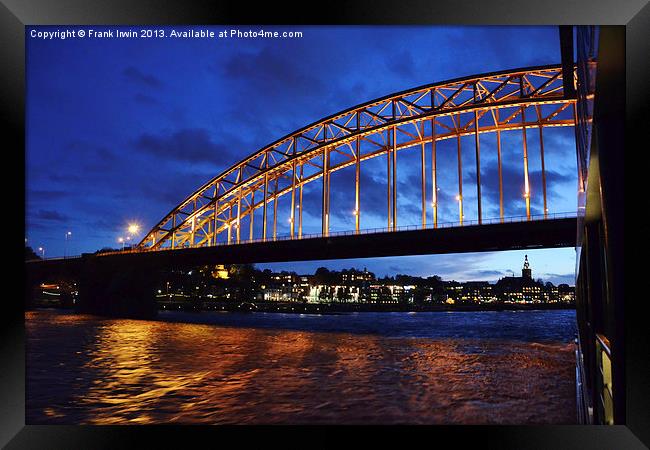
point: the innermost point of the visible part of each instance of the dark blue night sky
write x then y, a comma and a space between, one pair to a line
121, 130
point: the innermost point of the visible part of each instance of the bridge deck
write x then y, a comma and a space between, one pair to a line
476, 238
472, 238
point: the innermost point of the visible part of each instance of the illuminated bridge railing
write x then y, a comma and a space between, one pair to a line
456, 224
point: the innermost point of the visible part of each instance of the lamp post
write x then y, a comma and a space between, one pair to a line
68, 235
121, 241
42, 250
133, 230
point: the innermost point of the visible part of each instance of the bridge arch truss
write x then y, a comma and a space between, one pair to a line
470, 106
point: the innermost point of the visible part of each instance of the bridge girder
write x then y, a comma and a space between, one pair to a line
470, 106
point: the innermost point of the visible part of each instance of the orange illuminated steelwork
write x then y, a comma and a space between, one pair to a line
424, 115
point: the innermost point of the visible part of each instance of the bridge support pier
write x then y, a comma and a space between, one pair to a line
110, 288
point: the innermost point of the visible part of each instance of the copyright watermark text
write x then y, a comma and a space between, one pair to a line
163, 33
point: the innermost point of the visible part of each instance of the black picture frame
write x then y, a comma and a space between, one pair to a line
634, 15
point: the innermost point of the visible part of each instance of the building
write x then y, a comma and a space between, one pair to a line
566, 293
353, 276
526, 271
477, 292
520, 289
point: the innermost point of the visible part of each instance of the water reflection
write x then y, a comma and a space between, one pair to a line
87, 370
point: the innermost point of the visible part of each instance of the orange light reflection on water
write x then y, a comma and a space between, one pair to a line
159, 372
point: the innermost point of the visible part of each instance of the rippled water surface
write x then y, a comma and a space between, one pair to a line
426, 368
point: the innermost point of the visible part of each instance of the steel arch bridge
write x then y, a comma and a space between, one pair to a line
470, 106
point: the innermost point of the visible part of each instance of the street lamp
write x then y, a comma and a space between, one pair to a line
68, 235
42, 250
132, 231
121, 241
133, 228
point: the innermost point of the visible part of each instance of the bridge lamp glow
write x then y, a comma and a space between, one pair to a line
134, 228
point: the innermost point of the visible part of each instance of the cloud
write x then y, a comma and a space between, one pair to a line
401, 64
287, 87
502, 47
145, 99
63, 178
484, 274
46, 194
52, 216
512, 193
190, 144
556, 278
102, 160
271, 70
136, 76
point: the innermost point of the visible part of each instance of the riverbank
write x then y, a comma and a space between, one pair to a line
340, 308
335, 308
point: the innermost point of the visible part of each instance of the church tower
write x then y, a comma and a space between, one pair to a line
526, 272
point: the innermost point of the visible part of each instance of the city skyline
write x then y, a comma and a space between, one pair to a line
238, 284
352, 265
485, 266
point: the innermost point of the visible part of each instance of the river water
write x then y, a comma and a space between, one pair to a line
509, 367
